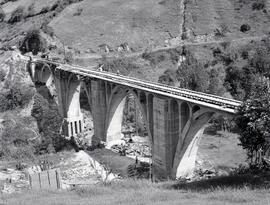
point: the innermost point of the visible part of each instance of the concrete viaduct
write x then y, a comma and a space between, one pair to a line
173, 116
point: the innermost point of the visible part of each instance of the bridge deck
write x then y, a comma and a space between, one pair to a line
212, 101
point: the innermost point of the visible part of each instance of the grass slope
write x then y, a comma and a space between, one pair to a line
139, 193
207, 15
138, 22
221, 151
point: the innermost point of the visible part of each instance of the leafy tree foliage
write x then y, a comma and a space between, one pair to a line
15, 139
241, 75
253, 119
18, 95
192, 75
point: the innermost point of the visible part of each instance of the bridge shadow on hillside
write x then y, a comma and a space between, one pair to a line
223, 182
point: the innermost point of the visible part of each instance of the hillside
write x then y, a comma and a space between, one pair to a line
141, 24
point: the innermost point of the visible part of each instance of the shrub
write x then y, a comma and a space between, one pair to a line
259, 5
14, 141
244, 28
157, 57
244, 54
17, 95
2, 75
78, 12
48, 30
69, 58
2, 15
17, 15
124, 65
45, 10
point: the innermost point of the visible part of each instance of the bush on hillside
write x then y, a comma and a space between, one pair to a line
49, 123
258, 5
244, 28
2, 15
157, 57
31, 10
17, 15
61, 4
48, 30
78, 12
44, 10
168, 78
17, 96
2, 75
6, 1
33, 42
14, 141
123, 65
69, 58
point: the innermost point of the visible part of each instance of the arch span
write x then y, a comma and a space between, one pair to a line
116, 109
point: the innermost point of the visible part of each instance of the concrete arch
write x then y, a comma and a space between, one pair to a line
200, 112
184, 160
45, 74
73, 96
116, 97
116, 107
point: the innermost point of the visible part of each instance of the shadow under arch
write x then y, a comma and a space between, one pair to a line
174, 127
73, 96
185, 114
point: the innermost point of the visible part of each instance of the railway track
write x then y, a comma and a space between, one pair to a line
204, 99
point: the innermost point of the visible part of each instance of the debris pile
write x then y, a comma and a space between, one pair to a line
12, 180
82, 169
134, 147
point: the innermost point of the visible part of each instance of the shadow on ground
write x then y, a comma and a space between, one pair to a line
236, 181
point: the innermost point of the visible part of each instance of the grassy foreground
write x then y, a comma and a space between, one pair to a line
139, 193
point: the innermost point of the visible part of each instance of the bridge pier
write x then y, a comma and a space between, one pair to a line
68, 88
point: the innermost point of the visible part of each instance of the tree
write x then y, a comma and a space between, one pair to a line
253, 119
216, 78
192, 75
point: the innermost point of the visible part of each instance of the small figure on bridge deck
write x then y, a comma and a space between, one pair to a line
100, 68
45, 55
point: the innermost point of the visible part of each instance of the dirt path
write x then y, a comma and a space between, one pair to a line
157, 49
